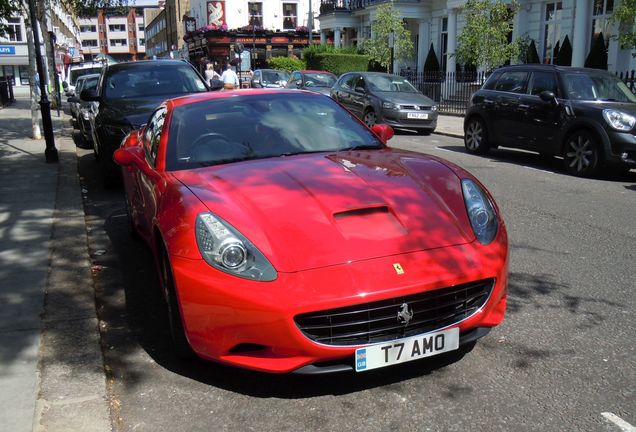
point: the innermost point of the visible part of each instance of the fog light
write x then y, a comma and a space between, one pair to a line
624, 156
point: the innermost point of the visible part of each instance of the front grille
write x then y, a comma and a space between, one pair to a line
378, 321
416, 107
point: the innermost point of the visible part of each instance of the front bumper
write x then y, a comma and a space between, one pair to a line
623, 148
400, 119
251, 324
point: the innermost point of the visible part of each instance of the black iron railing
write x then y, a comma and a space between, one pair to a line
629, 78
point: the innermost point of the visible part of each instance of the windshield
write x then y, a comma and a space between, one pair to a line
389, 83
317, 79
597, 86
90, 83
156, 80
76, 73
275, 77
261, 126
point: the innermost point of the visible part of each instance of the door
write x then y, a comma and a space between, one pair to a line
345, 90
507, 115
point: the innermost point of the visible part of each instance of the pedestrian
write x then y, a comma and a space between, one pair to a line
211, 74
229, 78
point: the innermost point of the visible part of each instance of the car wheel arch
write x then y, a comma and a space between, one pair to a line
597, 131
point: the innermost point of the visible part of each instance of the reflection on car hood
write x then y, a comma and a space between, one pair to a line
404, 98
626, 107
131, 110
318, 210
321, 90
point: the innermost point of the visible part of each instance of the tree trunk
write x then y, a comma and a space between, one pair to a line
35, 113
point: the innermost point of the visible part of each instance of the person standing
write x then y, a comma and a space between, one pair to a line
229, 78
211, 74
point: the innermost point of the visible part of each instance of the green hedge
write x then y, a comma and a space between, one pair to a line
338, 63
289, 64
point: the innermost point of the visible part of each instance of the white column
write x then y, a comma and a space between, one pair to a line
423, 43
336, 37
452, 41
581, 33
323, 37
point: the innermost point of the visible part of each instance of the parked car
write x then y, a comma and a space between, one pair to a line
74, 100
269, 78
317, 81
127, 93
86, 109
77, 70
377, 97
587, 116
291, 238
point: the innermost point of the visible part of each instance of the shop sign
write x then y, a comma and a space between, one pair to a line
280, 39
246, 40
219, 40
300, 41
216, 13
7, 50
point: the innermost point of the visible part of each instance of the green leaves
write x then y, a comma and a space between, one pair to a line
484, 39
388, 20
625, 15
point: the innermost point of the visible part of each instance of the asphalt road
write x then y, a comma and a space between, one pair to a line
563, 360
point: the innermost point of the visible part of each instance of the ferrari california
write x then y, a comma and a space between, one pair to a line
289, 237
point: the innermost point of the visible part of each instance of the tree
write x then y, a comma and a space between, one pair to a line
388, 20
597, 58
555, 52
625, 16
484, 39
565, 53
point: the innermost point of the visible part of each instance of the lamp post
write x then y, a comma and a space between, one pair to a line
58, 97
50, 153
253, 35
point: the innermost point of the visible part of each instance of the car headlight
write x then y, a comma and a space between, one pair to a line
434, 108
619, 120
389, 105
481, 212
226, 249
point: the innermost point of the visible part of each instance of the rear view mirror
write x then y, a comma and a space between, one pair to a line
548, 96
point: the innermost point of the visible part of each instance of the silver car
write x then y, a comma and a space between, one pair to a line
377, 97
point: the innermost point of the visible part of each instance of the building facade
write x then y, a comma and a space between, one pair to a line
14, 51
439, 22
111, 33
266, 29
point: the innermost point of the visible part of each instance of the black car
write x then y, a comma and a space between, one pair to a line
377, 97
127, 94
587, 116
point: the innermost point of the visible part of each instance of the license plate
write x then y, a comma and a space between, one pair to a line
407, 349
419, 116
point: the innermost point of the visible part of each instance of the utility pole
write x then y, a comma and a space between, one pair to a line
310, 23
50, 152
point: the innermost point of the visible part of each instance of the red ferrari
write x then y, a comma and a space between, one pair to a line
290, 238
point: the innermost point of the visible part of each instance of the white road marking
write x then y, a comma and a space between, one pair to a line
625, 427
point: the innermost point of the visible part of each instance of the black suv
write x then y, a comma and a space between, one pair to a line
127, 94
587, 116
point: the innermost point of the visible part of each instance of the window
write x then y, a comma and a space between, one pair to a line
513, 82
289, 16
88, 29
118, 42
14, 30
153, 134
89, 43
601, 13
552, 30
444, 43
256, 13
117, 27
142, 42
140, 27
543, 81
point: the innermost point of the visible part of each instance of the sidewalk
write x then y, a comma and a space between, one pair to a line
450, 125
51, 369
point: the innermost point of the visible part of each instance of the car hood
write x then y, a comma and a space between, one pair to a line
405, 98
319, 210
133, 111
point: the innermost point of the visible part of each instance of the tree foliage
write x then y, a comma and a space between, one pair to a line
484, 39
597, 58
8, 9
565, 53
388, 20
431, 64
625, 16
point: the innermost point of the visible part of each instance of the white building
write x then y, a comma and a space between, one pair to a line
439, 22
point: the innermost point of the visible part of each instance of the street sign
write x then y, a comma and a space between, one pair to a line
7, 50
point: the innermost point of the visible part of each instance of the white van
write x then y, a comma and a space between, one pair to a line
78, 70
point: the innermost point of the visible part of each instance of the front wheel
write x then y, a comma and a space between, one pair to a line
581, 155
370, 118
476, 137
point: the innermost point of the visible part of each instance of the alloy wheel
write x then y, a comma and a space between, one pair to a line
370, 118
474, 135
581, 155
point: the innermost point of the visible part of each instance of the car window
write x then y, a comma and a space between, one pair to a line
90, 83
153, 135
274, 77
596, 86
543, 81
348, 82
74, 74
155, 80
225, 130
492, 81
390, 83
512, 82
318, 79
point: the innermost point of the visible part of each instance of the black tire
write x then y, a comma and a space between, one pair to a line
581, 154
476, 137
370, 118
180, 343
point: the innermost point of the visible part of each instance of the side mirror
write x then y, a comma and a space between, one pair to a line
383, 131
548, 96
299, 84
360, 90
65, 85
90, 95
216, 84
134, 156
256, 83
